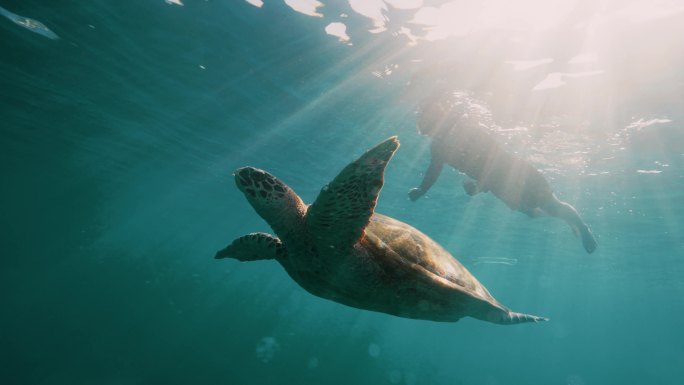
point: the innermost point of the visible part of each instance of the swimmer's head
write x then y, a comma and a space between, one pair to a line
445, 111
437, 114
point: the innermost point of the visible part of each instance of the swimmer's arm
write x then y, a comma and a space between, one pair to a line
431, 175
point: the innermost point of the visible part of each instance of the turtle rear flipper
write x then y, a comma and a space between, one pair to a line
499, 314
470, 187
253, 247
343, 208
518, 318
588, 240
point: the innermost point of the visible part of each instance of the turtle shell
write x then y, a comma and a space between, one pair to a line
427, 281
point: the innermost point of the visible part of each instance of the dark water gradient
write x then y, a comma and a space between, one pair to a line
116, 151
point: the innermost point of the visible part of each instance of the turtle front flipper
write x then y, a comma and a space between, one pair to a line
343, 208
253, 247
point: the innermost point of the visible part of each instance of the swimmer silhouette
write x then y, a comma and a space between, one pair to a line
460, 139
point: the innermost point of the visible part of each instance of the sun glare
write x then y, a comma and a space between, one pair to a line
339, 30
544, 65
463, 18
307, 7
256, 3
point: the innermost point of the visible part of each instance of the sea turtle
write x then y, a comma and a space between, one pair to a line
338, 248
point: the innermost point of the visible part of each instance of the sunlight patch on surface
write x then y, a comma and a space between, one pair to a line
522, 65
374, 10
647, 11
387, 71
405, 4
641, 123
558, 79
447, 20
457, 18
307, 7
338, 30
406, 32
585, 57
464, 18
256, 3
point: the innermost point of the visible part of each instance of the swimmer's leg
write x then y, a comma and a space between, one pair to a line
534, 212
565, 211
471, 187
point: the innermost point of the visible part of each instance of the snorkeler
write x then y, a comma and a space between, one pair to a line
458, 128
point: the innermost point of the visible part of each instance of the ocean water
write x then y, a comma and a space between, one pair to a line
122, 121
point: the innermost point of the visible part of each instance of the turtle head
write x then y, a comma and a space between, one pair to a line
272, 199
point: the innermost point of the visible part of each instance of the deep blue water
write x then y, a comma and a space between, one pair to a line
118, 140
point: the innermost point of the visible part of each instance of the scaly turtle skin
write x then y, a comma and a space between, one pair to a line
338, 248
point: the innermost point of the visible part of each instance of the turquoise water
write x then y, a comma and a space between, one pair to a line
118, 139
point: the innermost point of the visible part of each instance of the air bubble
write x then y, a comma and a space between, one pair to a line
373, 350
313, 363
394, 376
266, 349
